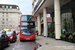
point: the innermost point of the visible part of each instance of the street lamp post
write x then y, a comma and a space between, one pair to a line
46, 31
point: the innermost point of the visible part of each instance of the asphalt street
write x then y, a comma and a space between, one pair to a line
22, 45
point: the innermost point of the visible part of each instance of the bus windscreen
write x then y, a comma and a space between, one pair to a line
27, 30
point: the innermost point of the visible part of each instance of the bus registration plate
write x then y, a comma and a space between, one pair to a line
27, 39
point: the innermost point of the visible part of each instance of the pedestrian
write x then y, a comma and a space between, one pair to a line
37, 33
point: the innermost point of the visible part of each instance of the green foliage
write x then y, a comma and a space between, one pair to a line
66, 33
62, 35
50, 34
73, 33
70, 37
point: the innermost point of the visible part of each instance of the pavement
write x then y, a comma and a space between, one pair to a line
54, 44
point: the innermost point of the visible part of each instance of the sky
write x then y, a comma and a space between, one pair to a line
24, 5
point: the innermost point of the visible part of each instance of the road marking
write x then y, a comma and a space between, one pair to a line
13, 48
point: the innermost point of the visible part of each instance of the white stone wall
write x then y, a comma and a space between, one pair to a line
13, 18
35, 2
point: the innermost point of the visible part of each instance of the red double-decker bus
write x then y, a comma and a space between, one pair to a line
27, 27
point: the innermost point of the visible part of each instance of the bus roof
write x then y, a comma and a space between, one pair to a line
28, 15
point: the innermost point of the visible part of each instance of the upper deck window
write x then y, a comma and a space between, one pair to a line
27, 18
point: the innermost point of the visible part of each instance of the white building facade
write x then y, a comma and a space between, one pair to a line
59, 10
9, 16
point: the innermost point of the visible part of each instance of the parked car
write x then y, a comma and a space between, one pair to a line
12, 35
4, 40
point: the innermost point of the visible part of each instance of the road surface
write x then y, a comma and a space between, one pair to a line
24, 45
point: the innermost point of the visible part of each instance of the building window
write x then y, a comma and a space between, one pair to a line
10, 19
6, 25
6, 22
2, 25
10, 6
10, 16
3, 19
17, 7
6, 19
3, 6
6, 6
6, 15
2, 22
6, 12
2, 15
10, 25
